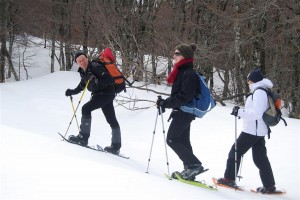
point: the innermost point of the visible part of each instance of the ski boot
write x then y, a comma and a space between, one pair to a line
266, 190
192, 171
180, 174
114, 148
79, 139
227, 182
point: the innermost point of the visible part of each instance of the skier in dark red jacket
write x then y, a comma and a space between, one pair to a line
185, 86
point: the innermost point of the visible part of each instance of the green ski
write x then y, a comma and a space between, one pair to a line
195, 183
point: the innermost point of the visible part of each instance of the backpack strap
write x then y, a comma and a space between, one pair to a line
106, 63
269, 132
198, 74
283, 121
264, 89
267, 91
95, 66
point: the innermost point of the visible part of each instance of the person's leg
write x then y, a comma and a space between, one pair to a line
178, 138
260, 158
110, 116
86, 118
244, 142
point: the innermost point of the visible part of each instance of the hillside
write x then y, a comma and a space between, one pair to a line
37, 164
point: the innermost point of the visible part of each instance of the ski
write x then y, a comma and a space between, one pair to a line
276, 192
99, 148
201, 184
238, 188
88, 147
168, 177
119, 155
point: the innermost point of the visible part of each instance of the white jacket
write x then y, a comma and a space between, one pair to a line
255, 106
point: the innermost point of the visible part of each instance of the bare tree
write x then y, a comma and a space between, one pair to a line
3, 7
9, 24
233, 37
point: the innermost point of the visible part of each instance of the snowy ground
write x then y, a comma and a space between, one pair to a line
36, 164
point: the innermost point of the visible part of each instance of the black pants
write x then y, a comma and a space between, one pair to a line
105, 102
178, 138
259, 153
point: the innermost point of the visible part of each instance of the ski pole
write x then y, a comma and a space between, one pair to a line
77, 107
235, 153
152, 142
71, 98
240, 170
159, 111
235, 148
164, 135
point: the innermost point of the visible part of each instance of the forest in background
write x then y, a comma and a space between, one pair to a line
233, 37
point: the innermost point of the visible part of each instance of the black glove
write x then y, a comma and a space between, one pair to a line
235, 111
70, 92
160, 105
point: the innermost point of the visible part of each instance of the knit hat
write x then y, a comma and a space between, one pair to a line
187, 51
79, 53
255, 76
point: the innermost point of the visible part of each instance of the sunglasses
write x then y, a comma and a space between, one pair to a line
177, 53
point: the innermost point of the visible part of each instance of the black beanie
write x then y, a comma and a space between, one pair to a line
187, 51
79, 53
255, 76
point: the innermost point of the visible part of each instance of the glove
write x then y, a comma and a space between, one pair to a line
235, 111
160, 105
69, 92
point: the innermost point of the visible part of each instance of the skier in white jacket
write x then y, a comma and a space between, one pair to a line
255, 107
252, 135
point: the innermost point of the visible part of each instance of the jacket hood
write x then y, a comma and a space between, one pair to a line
265, 83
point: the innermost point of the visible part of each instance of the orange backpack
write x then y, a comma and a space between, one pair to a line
107, 58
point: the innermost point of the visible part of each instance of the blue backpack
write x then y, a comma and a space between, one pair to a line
202, 103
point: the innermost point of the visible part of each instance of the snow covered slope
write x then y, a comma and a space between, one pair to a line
36, 164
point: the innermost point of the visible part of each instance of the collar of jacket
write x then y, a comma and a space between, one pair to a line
172, 76
184, 62
186, 66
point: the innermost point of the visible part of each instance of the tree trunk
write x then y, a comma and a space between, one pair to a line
86, 25
237, 56
62, 57
3, 9
225, 92
2, 58
10, 64
53, 35
295, 113
68, 56
138, 74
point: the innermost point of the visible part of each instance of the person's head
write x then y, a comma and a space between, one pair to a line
81, 59
184, 51
255, 76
